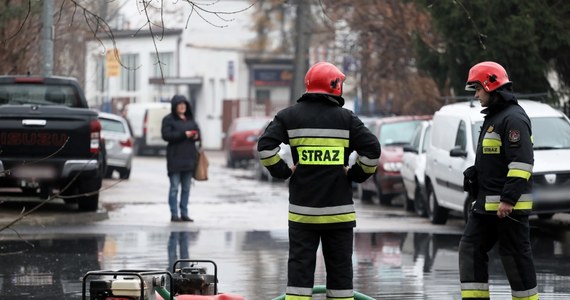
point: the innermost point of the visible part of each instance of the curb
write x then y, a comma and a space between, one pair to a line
51, 218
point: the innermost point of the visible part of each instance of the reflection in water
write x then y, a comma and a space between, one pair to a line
48, 268
253, 264
178, 247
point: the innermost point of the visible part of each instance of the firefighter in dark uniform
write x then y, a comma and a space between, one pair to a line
500, 183
322, 135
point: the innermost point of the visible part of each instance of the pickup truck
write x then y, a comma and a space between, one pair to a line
50, 141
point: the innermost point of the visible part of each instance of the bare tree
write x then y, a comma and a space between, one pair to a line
388, 72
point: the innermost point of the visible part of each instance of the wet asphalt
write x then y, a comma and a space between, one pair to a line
240, 223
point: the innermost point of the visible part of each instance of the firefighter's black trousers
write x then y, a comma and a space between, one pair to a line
481, 233
337, 252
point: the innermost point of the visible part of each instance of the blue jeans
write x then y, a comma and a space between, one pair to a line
181, 179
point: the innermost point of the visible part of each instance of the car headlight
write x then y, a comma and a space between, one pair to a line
392, 166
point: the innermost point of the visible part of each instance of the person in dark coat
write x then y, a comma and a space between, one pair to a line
181, 132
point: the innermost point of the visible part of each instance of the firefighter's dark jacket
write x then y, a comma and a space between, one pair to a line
504, 158
322, 135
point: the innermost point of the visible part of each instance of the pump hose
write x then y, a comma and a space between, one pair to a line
163, 293
321, 289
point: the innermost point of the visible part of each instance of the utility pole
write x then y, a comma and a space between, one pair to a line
47, 37
302, 41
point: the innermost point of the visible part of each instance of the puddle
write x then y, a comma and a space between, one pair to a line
254, 264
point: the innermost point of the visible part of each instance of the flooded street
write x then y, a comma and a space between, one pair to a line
241, 225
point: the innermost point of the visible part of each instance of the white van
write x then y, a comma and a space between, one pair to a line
146, 122
452, 147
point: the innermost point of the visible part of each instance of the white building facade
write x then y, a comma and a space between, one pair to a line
207, 63
205, 75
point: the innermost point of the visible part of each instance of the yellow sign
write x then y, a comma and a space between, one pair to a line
321, 155
112, 64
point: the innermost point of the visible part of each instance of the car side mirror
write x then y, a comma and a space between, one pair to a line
409, 148
457, 152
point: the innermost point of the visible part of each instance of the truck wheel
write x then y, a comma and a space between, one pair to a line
90, 202
436, 213
29, 191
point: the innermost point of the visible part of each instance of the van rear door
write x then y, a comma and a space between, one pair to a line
153, 124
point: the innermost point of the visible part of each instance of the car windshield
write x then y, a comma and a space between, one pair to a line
548, 133
112, 125
38, 94
399, 133
250, 124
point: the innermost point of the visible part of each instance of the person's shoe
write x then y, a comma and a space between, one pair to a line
175, 219
187, 219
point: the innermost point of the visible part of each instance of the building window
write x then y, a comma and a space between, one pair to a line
129, 77
262, 96
162, 92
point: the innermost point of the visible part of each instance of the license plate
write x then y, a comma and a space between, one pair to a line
34, 172
551, 195
40, 279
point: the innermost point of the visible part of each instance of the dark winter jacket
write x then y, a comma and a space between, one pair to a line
322, 136
181, 152
504, 158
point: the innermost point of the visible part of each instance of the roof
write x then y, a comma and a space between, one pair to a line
110, 116
533, 109
395, 119
118, 34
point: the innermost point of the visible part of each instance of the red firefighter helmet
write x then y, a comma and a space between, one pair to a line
324, 78
490, 75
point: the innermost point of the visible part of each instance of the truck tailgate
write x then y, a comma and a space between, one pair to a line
40, 131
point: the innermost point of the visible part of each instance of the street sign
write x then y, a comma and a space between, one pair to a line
112, 63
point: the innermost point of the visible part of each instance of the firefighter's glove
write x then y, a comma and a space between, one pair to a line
470, 183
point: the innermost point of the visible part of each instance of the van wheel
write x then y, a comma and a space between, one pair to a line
436, 213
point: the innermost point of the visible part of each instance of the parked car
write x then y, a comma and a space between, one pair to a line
413, 169
241, 138
452, 147
393, 133
260, 172
118, 137
370, 123
146, 121
50, 140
